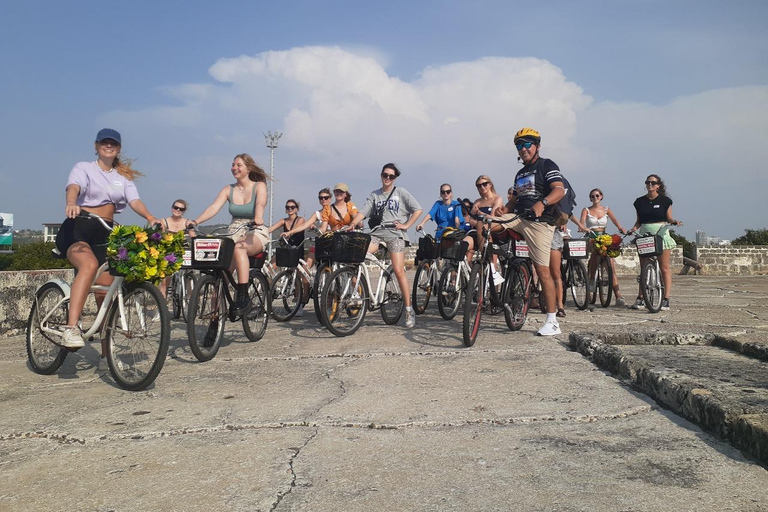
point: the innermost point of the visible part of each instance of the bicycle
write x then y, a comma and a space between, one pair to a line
211, 297
574, 272
426, 278
181, 286
649, 248
133, 323
346, 296
454, 277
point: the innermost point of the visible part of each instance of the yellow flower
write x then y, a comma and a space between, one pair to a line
168, 237
142, 255
141, 237
154, 252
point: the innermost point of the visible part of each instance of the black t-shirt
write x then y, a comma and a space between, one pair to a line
533, 183
650, 211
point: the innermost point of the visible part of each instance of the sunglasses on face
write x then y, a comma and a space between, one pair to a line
523, 144
387, 176
483, 184
649, 182
109, 142
323, 198
594, 196
446, 192
290, 207
179, 208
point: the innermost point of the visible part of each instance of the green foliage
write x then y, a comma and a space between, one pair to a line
34, 256
688, 247
753, 237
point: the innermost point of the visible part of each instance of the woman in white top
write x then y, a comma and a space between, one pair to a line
595, 218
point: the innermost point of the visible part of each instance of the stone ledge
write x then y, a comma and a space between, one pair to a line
725, 411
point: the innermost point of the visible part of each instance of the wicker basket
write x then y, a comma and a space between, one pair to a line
453, 249
350, 247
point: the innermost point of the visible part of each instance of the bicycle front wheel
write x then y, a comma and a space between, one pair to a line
449, 289
577, 274
137, 337
605, 282
49, 311
188, 282
517, 296
285, 295
256, 320
206, 317
392, 304
322, 276
474, 301
422, 286
173, 293
344, 301
651, 287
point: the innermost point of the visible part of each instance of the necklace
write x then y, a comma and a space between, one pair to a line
103, 169
241, 189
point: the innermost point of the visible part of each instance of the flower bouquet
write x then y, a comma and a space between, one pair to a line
144, 254
607, 245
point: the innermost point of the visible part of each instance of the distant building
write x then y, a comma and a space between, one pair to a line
703, 239
50, 231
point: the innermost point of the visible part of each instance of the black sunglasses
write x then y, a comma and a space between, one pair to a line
290, 207
595, 196
648, 182
388, 176
446, 191
179, 208
323, 198
483, 184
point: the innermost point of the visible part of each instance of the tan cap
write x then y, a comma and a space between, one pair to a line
341, 186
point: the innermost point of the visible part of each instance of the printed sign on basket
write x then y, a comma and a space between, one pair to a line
207, 250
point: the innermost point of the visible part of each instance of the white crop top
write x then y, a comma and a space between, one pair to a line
595, 223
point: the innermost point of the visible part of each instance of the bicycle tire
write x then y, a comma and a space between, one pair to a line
207, 316
136, 355
517, 296
322, 275
45, 356
474, 301
605, 281
285, 295
450, 287
422, 286
188, 281
343, 301
578, 283
256, 319
651, 287
173, 292
392, 304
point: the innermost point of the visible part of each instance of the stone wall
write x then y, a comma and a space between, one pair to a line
733, 260
17, 290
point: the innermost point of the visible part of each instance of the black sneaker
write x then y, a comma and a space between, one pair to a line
665, 304
240, 306
639, 304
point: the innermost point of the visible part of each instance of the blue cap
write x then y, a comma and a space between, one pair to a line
108, 133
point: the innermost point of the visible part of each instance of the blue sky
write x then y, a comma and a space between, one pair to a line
619, 89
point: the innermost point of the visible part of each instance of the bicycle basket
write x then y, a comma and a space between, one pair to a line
350, 247
519, 248
288, 256
453, 249
428, 249
652, 245
324, 247
575, 249
212, 252
187, 261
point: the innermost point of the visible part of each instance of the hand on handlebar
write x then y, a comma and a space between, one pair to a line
71, 211
419, 229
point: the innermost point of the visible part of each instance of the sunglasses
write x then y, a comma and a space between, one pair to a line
387, 176
323, 198
291, 207
651, 182
446, 191
594, 196
523, 144
179, 208
483, 184
109, 142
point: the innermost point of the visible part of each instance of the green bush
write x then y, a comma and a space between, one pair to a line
753, 237
688, 248
34, 256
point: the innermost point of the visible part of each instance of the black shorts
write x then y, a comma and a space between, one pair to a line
83, 230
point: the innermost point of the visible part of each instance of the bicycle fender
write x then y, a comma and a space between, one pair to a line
61, 284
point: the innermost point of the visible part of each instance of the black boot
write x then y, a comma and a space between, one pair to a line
243, 301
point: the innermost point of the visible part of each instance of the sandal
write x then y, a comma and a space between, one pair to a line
560, 312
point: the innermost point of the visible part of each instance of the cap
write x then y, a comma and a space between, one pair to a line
341, 186
108, 133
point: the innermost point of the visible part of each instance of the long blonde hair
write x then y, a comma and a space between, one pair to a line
124, 166
489, 180
255, 173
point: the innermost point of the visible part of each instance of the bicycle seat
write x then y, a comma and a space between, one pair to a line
257, 261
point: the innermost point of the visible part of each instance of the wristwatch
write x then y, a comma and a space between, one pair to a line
544, 201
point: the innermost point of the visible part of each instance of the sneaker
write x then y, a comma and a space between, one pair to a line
103, 365
639, 304
71, 338
300, 312
549, 329
410, 318
240, 307
620, 302
665, 304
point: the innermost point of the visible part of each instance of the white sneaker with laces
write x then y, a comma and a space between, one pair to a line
300, 311
549, 329
410, 318
71, 338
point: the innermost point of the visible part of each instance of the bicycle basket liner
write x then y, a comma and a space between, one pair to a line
350, 247
212, 252
257, 260
323, 247
428, 248
575, 249
288, 256
520, 248
652, 245
453, 249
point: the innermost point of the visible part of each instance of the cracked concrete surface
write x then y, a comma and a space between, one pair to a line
388, 419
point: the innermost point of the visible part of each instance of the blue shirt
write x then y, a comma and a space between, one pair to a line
444, 216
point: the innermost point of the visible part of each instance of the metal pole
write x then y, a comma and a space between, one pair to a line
271, 139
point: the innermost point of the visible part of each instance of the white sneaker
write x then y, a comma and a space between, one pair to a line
71, 338
497, 278
300, 312
549, 329
410, 318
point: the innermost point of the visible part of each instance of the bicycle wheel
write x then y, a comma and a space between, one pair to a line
577, 275
173, 292
605, 282
392, 304
343, 301
206, 317
516, 296
188, 281
322, 275
651, 287
422, 286
449, 289
137, 337
256, 320
48, 312
285, 295
474, 301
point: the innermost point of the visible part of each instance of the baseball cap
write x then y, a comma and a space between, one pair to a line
108, 133
341, 186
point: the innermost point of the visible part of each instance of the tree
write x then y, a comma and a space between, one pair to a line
34, 256
688, 249
753, 237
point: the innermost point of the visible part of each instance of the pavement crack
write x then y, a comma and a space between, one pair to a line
41, 434
342, 388
294, 456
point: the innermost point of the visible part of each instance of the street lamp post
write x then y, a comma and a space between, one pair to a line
271, 139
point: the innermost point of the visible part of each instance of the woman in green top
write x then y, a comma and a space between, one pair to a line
247, 198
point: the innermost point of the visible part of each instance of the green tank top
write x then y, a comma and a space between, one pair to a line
242, 211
